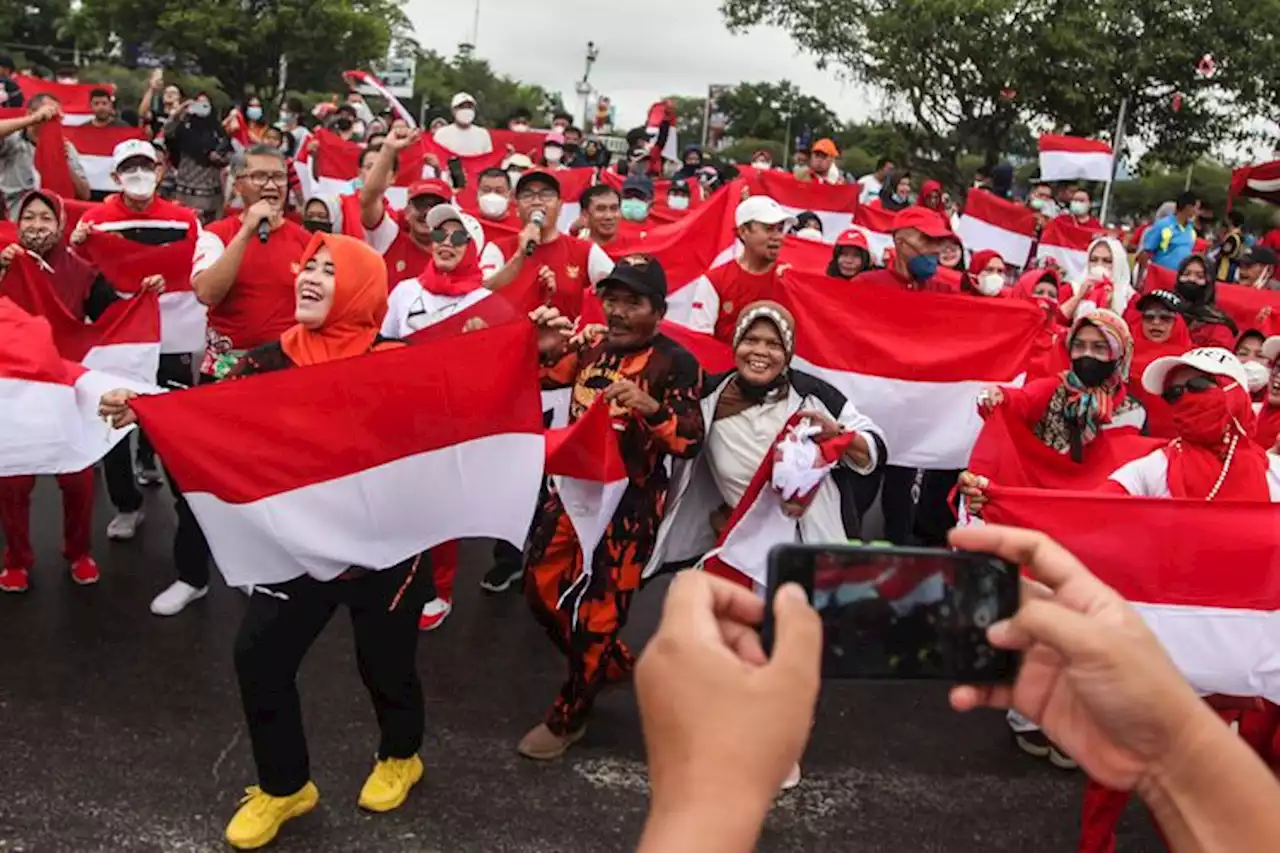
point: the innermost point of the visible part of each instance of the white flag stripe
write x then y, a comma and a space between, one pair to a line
834, 222
377, 517
182, 322
979, 234
134, 361
1075, 166
1074, 263
763, 525
97, 171
1220, 650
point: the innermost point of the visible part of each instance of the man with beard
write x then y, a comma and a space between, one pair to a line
651, 386
721, 294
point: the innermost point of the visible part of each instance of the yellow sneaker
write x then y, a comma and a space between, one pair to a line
261, 815
388, 785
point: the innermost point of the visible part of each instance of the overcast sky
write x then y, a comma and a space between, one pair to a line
648, 49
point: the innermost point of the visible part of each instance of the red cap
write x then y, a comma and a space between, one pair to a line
980, 260
922, 219
853, 237
430, 186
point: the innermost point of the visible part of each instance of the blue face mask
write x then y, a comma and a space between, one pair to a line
253, 113
923, 267
634, 209
901, 199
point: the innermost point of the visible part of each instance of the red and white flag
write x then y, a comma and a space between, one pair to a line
924, 398
74, 97
805, 255
95, 146
367, 84
125, 340
1074, 158
1068, 244
990, 222
586, 467
1204, 576
359, 462
52, 171
877, 224
49, 420
834, 204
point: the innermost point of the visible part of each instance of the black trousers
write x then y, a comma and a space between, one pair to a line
117, 466
915, 507
279, 626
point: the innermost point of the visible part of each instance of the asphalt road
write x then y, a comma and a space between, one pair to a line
121, 732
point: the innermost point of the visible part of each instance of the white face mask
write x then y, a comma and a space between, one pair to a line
678, 202
553, 153
760, 164
990, 283
809, 234
465, 116
493, 205
1099, 271
1257, 376
1079, 208
520, 127
139, 185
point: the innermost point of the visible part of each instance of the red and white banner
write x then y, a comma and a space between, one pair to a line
371, 459
95, 146
1073, 158
74, 97
1258, 181
368, 84
924, 398
1220, 626
1068, 245
990, 222
805, 255
52, 172
835, 204
49, 420
877, 224
125, 340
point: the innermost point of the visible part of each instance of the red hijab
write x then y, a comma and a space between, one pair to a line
1268, 431
1215, 457
979, 261
459, 281
1049, 350
1145, 351
359, 304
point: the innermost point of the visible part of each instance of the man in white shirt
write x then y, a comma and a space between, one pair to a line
872, 184
463, 137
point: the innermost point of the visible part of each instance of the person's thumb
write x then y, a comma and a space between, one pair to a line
797, 645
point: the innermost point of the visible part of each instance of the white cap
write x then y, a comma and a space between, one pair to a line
442, 213
518, 161
1271, 348
1213, 360
133, 148
761, 208
460, 99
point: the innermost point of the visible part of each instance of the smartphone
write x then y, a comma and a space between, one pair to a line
902, 613
456, 174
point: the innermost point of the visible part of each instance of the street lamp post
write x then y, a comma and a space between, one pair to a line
583, 87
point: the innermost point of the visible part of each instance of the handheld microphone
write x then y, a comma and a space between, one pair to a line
264, 230
538, 218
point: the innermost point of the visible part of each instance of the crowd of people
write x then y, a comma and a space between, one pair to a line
1138, 344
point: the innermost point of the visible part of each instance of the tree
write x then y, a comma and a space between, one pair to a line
691, 114
774, 110
438, 79
972, 71
241, 44
38, 26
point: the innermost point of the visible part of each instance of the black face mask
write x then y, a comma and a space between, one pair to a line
342, 125
314, 225
1092, 372
1190, 290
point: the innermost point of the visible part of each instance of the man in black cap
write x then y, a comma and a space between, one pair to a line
651, 385
637, 196
1258, 268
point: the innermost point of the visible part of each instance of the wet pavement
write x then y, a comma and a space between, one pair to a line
121, 732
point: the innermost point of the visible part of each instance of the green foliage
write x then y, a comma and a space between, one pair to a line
438, 79
38, 25
691, 114
770, 110
741, 150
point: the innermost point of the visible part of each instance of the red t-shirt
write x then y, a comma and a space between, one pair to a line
737, 288
1271, 240
261, 302
571, 260
890, 276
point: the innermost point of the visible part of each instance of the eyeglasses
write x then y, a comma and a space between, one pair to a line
1194, 385
456, 239
545, 195
1157, 316
261, 179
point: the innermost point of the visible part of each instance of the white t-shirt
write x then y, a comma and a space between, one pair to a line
464, 141
1148, 477
871, 187
491, 260
411, 309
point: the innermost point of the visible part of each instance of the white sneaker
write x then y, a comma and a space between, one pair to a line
434, 613
125, 525
175, 599
793, 778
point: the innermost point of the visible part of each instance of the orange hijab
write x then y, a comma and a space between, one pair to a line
359, 304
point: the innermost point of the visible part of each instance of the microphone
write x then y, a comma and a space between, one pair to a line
264, 230
537, 218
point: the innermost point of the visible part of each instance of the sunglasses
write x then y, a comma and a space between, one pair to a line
457, 239
1194, 385
1157, 317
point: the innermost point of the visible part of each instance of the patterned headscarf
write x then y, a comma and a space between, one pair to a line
738, 395
1086, 409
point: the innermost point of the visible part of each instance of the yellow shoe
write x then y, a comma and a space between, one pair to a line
261, 815
388, 785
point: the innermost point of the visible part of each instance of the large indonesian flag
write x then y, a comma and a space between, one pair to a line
95, 146
49, 420
835, 205
364, 461
923, 397
1205, 576
125, 340
1067, 244
877, 224
991, 222
1073, 158
74, 97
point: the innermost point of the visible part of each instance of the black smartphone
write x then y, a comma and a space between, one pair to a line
456, 174
902, 613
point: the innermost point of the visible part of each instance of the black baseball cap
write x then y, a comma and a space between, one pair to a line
7, 62
540, 176
1164, 298
642, 275
1259, 255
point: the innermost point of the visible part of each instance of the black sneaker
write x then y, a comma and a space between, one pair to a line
501, 576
